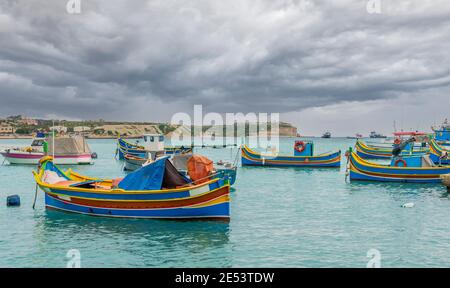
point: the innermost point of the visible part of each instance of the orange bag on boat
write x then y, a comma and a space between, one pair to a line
199, 168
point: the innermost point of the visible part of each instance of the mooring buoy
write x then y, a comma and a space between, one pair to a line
408, 205
13, 200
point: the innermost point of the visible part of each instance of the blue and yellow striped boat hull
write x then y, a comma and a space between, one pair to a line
363, 170
366, 151
253, 158
210, 200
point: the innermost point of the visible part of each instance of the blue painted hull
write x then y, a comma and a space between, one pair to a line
127, 148
368, 171
253, 158
221, 210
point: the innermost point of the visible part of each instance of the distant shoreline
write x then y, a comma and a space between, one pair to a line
16, 137
8, 137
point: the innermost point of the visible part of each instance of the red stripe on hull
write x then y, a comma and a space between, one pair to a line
39, 156
147, 205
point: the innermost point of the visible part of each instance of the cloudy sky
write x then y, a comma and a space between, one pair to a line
324, 65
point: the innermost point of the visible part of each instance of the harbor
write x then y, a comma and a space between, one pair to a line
224, 134
321, 220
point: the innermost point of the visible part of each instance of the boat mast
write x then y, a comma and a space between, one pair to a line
53, 140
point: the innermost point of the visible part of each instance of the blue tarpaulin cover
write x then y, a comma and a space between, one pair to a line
149, 177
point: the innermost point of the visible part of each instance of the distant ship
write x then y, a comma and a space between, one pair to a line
326, 135
357, 136
374, 134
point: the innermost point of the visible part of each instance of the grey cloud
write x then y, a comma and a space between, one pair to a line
282, 56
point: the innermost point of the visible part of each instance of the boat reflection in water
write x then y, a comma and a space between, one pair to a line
136, 242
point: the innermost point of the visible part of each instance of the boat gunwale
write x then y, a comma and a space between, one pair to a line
251, 151
144, 200
38, 178
367, 163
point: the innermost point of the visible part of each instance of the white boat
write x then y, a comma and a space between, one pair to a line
68, 151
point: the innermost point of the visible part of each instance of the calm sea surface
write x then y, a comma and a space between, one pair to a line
280, 217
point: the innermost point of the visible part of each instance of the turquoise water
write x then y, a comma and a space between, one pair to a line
280, 217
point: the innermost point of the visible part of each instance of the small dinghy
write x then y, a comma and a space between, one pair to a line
151, 144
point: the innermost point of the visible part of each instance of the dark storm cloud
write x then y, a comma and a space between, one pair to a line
118, 57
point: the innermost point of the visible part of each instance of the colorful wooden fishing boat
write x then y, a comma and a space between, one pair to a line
222, 169
442, 134
414, 169
152, 145
157, 190
439, 154
367, 151
303, 157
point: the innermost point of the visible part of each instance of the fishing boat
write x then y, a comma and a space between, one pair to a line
376, 135
442, 133
413, 169
357, 136
132, 163
326, 135
157, 190
420, 140
222, 169
152, 143
368, 151
439, 154
66, 150
303, 157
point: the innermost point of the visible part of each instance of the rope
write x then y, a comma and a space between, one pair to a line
35, 196
347, 167
236, 159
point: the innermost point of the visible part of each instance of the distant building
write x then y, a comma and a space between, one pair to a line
81, 129
6, 128
28, 121
59, 129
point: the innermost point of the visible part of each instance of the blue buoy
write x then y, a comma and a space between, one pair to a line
13, 200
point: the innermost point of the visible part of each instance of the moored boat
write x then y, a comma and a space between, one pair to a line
439, 154
152, 143
326, 135
368, 151
303, 157
375, 135
221, 169
414, 169
157, 190
442, 133
66, 150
